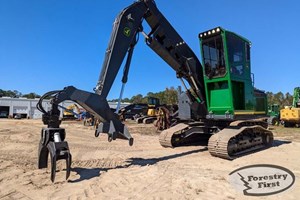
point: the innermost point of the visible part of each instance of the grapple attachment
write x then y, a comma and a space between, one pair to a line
52, 141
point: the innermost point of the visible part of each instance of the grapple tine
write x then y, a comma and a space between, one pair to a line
68, 165
53, 157
52, 141
53, 168
59, 151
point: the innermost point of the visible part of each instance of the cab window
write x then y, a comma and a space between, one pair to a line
213, 56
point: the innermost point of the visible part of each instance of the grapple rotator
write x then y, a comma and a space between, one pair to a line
53, 137
53, 141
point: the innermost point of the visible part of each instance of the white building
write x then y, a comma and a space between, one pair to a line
27, 107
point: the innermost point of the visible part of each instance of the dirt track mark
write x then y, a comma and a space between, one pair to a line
100, 163
25, 162
13, 136
14, 195
154, 186
8, 139
97, 147
4, 130
120, 179
5, 138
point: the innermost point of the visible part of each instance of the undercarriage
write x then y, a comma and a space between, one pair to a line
237, 139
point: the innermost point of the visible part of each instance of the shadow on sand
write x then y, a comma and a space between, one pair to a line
88, 173
277, 143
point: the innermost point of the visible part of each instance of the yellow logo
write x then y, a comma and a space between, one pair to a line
127, 31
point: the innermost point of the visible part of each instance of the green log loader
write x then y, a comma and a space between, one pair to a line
225, 107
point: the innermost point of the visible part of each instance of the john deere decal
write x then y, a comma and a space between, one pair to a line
127, 31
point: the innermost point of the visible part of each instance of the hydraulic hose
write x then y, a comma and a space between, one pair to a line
39, 105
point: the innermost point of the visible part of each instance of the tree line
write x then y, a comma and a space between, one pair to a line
17, 94
168, 96
280, 99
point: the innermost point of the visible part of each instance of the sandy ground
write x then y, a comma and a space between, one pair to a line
103, 170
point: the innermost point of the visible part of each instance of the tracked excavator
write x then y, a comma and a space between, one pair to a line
224, 105
150, 117
71, 112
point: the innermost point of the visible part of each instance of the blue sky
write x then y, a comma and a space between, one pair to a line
49, 44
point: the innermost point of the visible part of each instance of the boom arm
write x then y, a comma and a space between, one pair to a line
93, 103
162, 39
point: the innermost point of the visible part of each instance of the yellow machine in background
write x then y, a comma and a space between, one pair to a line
291, 115
71, 112
153, 104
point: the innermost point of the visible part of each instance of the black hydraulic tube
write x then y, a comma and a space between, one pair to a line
125, 73
127, 65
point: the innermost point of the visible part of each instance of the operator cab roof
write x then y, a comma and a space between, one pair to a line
217, 31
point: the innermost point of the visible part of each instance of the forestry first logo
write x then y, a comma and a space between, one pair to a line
261, 180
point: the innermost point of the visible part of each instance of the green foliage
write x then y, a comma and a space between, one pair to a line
17, 94
137, 99
31, 95
126, 100
280, 99
169, 96
10, 93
